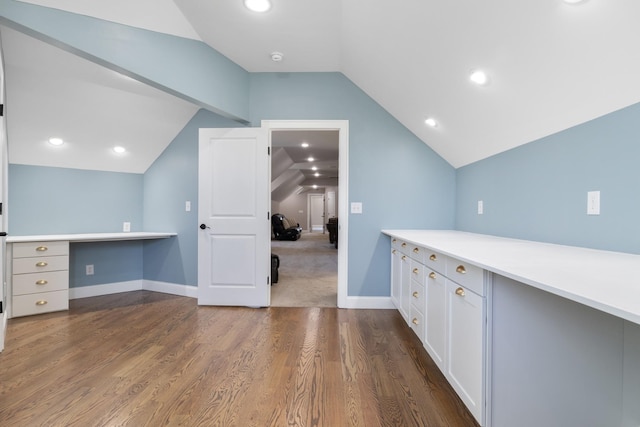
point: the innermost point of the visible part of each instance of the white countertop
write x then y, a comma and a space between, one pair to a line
91, 237
604, 280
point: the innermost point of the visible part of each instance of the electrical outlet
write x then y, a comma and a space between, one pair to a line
187, 206
126, 227
89, 269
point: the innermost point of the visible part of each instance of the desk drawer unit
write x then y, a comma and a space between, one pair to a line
40, 277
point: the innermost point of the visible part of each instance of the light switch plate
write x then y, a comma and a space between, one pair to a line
187, 206
593, 203
480, 207
356, 207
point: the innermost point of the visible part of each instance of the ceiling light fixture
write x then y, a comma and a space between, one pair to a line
314, 186
479, 77
56, 141
304, 145
118, 149
315, 168
257, 5
317, 174
574, 1
310, 159
431, 122
277, 56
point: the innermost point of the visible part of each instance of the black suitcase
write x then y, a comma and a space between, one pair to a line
275, 263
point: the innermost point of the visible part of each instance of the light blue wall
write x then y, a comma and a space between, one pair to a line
539, 191
45, 200
187, 68
168, 184
401, 182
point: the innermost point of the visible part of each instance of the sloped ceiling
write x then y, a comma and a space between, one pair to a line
551, 65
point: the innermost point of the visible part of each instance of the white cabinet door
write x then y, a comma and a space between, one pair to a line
435, 333
465, 337
405, 285
396, 278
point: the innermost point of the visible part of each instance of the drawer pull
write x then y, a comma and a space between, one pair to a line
415, 294
41, 282
41, 264
41, 302
404, 257
433, 257
460, 269
460, 292
415, 321
416, 250
394, 240
41, 248
432, 275
393, 251
404, 245
415, 270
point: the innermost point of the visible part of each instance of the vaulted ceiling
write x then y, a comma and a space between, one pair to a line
551, 65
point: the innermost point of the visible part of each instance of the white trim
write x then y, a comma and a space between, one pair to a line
377, 303
134, 285
5, 316
170, 288
343, 188
106, 289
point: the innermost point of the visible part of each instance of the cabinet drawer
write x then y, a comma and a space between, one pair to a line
38, 264
38, 249
417, 271
417, 323
32, 283
396, 243
467, 275
416, 252
435, 261
25, 305
418, 296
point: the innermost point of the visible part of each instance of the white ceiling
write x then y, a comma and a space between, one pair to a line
551, 65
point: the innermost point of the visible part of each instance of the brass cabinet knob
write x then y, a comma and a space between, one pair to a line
415, 270
41, 264
415, 294
460, 269
415, 321
432, 275
393, 251
41, 248
394, 240
41, 302
460, 292
41, 282
404, 245
433, 257
416, 250
404, 257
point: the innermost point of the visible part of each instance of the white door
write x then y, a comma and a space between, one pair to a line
331, 204
316, 212
233, 210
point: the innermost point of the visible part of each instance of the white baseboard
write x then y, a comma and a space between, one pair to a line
378, 303
106, 289
170, 288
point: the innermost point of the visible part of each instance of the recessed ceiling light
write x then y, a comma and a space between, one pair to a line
56, 141
315, 168
479, 77
310, 159
304, 144
118, 149
574, 1
316, 174
314, 186
431, 122
277, 56
258, 5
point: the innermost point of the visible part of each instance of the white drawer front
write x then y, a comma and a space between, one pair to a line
32, 283
467, 275
396, 243
417, 323
417, 271
25, 305
38, 249
418, 296
435, 261
417, 253
38, 264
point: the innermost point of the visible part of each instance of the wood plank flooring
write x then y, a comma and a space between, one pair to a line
150, 359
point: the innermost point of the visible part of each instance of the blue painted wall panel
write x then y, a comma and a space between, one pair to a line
539, 191
113, 262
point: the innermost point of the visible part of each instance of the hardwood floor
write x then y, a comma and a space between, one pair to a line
150, 359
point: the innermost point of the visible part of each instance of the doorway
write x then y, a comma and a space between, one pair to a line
316, 212
294, 177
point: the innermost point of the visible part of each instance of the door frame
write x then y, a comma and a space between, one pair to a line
342, 126
310, 197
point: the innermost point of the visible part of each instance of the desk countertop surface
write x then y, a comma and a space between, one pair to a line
91, 237
604, 280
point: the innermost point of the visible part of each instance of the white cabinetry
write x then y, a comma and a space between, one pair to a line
39, 277
444, 301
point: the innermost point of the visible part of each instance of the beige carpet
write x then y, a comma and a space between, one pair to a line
308, 274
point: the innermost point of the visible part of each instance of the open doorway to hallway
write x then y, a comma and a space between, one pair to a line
304, 178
